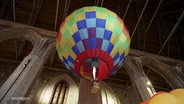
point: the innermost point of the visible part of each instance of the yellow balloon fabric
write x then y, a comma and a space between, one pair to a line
163, 98
179, 95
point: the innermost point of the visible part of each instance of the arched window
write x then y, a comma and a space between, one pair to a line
105, 97
108, 96
60, 93
59, 90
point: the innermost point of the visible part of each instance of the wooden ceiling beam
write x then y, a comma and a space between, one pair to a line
172, 32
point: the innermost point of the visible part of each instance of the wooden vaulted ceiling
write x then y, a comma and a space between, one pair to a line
41, 13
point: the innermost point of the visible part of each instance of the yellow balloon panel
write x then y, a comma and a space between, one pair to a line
179, 94
163, 98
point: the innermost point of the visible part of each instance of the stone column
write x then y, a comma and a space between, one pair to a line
139, 80
19, 84
85, 95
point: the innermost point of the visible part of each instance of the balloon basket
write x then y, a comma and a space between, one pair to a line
95, 86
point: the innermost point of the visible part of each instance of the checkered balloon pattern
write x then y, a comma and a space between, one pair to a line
93, 37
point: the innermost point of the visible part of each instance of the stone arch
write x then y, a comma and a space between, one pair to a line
24, 33
73, 92
20, 33
180, 69
28, 34
41, 49
108, 95
164, 71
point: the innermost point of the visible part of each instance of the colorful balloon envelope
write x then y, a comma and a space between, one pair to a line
163, 98
179, 95
93, 42
175, 96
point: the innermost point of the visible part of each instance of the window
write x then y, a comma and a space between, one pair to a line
60, 93
108, 95
59, 90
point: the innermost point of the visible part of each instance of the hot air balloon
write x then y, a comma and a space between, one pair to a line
93, 43
175, 96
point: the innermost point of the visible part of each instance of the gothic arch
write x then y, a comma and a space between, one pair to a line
24, 33
73, 92
163, 70
42, 47
28, 34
